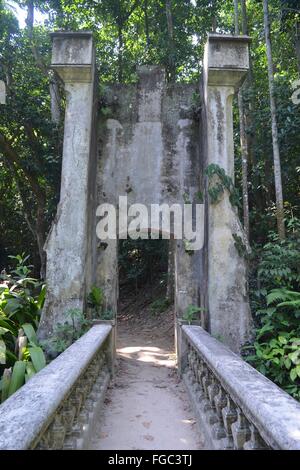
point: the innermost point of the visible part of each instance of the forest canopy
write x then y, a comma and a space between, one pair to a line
171, 33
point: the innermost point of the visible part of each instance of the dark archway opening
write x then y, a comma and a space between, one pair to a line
146, 292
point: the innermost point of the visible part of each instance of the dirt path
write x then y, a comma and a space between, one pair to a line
147, 408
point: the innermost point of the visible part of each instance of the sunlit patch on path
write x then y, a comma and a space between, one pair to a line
148, 407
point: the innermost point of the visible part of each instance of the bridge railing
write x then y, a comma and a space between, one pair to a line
58, 407
236, 406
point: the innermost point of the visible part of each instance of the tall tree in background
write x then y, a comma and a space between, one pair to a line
276, 152
29, 143
243, 136
26, 122
290, 18
172, 63
53, 77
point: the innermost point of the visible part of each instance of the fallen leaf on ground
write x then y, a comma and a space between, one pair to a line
148, 437
147, 424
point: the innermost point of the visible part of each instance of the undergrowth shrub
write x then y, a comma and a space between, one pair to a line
275, 303
21, 301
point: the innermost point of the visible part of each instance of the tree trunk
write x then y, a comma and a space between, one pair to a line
243, 136
276, 152
214, 17
236, 17
55, 99
171, 271
146, 23
171, 59
244, 153
120, 53
244, 17
39, 227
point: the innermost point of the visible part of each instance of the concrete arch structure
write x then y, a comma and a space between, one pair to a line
152, 142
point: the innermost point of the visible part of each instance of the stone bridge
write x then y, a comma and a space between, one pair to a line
151, 142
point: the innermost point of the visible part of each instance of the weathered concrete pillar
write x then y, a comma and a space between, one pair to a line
225, 66
68, 240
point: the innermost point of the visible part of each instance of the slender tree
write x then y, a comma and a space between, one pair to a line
172, 65
243, 136
275, 141
297, 43
146, 23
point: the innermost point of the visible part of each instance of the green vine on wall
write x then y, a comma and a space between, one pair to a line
217, 188
240, 246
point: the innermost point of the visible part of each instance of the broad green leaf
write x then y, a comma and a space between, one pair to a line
287, 363
293, 374
9, 325
30, 371
282, 340
38, 358
17, 377
5, 382
30, 333
2, 352
41, 297
294, 356
3, 331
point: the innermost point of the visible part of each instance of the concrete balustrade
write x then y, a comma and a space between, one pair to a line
58, 407
236, 406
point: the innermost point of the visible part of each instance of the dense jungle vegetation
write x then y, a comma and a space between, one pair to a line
267, 154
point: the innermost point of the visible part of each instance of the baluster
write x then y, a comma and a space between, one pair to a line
220, 401
190, 373
255, 442
206, 381
44, 442
212, 390
196, 366
200, 372
54, 436
240, 430
68, 414
76, 400
229, 414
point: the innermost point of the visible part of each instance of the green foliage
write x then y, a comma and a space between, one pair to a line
240, 246
96, 303
142, 261
191, 313
95, 300
31, 359
218, 183
160, 305
277, 345
275, 265
21, 300
64, 334
280, 262
107, 315
275, 299
127, 34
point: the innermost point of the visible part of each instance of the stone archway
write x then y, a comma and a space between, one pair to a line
151, 141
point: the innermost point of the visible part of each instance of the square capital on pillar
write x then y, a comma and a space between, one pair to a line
73, 55
226, 59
